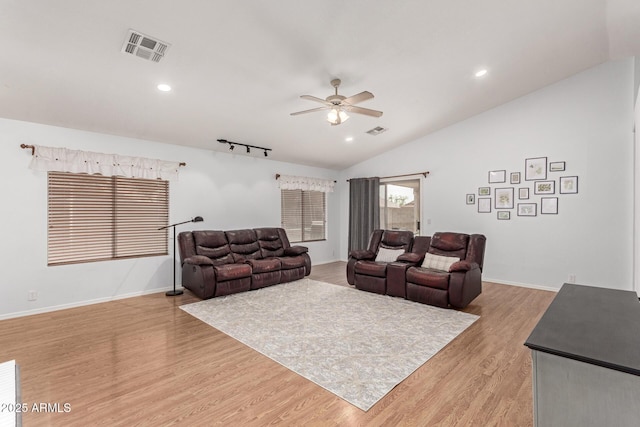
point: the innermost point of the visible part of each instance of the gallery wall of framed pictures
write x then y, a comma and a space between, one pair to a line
534, 190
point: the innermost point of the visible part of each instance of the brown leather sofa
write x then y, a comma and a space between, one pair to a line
216, 263
442, 280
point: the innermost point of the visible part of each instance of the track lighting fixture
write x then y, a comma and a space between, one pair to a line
248, 147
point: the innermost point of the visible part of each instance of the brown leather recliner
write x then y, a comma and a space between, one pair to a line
367, 270
443, 285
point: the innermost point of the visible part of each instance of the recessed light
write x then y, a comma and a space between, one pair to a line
164, 87
349, 139
481, 73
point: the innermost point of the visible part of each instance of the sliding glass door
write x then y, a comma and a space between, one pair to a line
400, 204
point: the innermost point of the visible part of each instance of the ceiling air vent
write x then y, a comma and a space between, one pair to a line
144, 47
377, 130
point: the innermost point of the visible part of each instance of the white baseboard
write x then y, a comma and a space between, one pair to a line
81, 303
522, 285
325, 262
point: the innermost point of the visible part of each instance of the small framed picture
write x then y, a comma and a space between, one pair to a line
471, 199
504, 215
523, 193
484, 191
503, 198
535, 169
497, 176
484, 205
527, 209
514, 177
568, 185
556, 166
549, 205
544, 187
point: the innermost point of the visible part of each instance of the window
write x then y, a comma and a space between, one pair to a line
303, 215
400, 205
96, 217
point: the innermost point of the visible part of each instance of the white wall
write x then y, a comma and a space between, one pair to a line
585, 120
636, 223
636, 68
229, 190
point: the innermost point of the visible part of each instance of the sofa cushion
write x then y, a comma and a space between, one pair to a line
243, 244
438, 262
449, 244
388, 255
397, 239
428, 277
270, 242
371, 268
232, 271
214, 245
264, 265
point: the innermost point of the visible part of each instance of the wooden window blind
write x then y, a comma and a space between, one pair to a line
303, 215
95, 217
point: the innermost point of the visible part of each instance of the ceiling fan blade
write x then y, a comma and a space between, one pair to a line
365, 111
310, 111
355, 99
316, 99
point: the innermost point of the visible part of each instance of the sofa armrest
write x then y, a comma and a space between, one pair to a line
296, 250
410, 257
198, 260
361, 254
463, 266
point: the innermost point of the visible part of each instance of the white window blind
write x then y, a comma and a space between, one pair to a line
303, 215
96, 217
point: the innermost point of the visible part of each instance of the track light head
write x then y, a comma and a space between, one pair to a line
231, 147
265, 153
248, 149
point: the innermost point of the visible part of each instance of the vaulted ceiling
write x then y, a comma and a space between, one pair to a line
237, 68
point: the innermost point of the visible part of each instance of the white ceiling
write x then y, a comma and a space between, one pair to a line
237, 68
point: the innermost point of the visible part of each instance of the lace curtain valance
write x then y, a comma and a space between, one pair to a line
289, 182
59, 159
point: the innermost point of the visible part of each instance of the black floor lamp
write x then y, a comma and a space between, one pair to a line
175, 292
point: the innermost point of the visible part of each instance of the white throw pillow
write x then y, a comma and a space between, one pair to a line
439, 262
388, 255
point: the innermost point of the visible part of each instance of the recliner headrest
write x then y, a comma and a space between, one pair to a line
450, 242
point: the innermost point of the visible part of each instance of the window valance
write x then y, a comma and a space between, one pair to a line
59, 159
290, 182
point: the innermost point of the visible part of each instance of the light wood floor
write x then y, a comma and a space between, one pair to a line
143, 361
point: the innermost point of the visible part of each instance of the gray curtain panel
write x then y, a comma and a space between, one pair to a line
364, 210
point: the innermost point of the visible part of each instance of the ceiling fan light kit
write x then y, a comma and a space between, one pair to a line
339, 105
337, 116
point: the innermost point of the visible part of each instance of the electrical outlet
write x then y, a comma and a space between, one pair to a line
572, 278
32, 295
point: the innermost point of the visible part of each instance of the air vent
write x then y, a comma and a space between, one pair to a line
144, 47
377, 130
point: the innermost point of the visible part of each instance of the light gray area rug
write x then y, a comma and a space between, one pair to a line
356, 344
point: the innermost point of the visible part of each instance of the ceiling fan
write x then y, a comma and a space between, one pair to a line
338, 105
